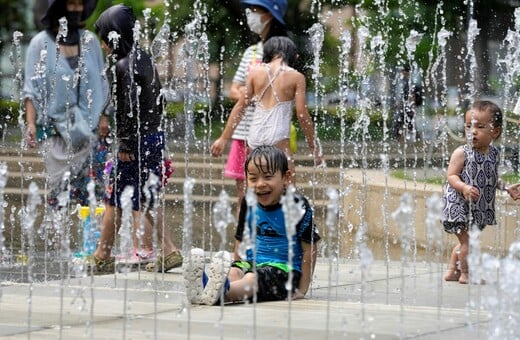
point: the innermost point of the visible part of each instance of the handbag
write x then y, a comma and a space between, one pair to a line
75, 130
79, 131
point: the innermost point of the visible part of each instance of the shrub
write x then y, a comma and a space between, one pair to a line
9, 111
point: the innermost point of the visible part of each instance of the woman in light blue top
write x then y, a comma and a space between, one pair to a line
65, 92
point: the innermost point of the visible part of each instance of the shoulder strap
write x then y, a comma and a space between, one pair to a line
271, 79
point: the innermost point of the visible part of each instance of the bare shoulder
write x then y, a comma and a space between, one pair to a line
293, 71
257, 68
298, 78
293, 74
457, 157
257, 72
458, 152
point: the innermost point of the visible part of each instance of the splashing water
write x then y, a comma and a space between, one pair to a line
332, 218
187, 230
293, 212
29, 215
3, 205
249, 236
403, 217
367, 60
127, 226
503, 299
222, 216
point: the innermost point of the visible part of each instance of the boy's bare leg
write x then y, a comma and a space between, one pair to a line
108, 232
142, 233
242, 289
163, 234
235, 274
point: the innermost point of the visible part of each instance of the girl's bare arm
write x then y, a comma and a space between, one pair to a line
236, 115
453, 174
304, 119
235, 91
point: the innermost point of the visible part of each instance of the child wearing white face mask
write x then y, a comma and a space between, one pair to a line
254, 20
265, 18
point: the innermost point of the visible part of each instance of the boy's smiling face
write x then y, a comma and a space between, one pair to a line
268, 187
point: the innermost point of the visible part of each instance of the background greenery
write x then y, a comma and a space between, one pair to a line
228, 36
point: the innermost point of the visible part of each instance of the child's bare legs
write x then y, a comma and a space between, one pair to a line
235, 274
168, 256
108, 232
463, 237
453, 273
143, 234
242, 288
163, 233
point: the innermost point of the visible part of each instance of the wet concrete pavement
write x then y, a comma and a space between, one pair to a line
388, 300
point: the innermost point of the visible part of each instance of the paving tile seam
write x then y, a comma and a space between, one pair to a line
314, 304
461, 327
96, 322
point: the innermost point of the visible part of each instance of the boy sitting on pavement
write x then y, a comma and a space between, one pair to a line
265, 271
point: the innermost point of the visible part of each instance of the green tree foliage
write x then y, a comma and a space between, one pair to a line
12, 19
397, 18
137, 5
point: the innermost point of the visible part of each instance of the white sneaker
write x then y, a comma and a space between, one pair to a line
217, 277
192, 271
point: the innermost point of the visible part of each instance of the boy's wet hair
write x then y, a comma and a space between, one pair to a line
268, 159
492, 109
282, 47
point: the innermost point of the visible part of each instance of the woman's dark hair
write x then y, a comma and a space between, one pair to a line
58, 8
276, 29
282, 47
268, 159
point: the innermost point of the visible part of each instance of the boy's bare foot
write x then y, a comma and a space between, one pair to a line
452, 275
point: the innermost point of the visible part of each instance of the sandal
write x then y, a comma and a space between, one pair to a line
163, 264
102, 266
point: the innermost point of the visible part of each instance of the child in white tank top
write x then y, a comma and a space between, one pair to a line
274, 87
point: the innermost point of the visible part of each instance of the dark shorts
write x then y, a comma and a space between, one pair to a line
271, 281
457, 227
136, 173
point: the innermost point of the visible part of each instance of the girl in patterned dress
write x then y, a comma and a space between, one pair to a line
472, 180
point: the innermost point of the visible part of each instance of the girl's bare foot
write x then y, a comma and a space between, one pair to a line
464, 278
452, 275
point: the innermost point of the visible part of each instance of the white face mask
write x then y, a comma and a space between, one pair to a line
254, 21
